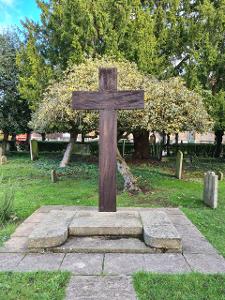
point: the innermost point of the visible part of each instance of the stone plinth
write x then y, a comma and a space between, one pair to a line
91, 231
52, 231
124, 223
159, 232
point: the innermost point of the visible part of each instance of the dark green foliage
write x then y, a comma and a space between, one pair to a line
14, 111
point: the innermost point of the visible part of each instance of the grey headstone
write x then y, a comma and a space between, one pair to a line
179, 164
33, 149
53, 176
210, 195
3, 160
220, 175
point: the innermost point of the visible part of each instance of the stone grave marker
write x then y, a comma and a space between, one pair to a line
210, 195
179, 164
53, 176
3, 160
108, 100
220, 175
33, 149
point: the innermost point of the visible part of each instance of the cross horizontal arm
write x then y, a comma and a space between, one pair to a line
108, 100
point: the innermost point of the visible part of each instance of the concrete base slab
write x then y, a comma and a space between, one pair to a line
124, 223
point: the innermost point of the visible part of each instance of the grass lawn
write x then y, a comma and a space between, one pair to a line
78, 185
194, 286
33, 286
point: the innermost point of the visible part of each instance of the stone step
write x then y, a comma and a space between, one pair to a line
103, 244
52, 231
122, 223
159, 232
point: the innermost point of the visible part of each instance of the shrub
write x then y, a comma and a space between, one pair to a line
7, 205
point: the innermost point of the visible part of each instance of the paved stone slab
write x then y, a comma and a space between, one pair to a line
165, 263
104, 245
15, 244
53, 231
206, 263
41, 262
83, 264
126, 264
9, 261
106, 223
195, 245
24, 230
100, 288
186, 231
180, 220
152, 218
36, 217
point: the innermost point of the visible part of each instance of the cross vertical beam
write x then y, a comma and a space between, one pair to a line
107, 144
107, 100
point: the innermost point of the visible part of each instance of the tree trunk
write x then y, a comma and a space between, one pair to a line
141, 144
4, 142
168, 145
177, 141
162, 145
130, 182
219, 146
43, 136
69, 150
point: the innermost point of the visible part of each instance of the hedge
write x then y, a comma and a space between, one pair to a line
203, 150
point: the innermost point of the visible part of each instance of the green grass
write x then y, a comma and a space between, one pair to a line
33, 286
194, 286
78, 185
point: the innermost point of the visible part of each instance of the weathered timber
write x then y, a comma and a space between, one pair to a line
107, 100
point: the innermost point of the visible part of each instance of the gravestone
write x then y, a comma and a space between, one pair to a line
53, 176
220, 175
210, 195
3, 160
179, 164
33, 149
108, 100
81, 149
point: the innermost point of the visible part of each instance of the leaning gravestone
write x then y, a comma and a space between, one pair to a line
179, 164
33, 149
3, 160
210, 195
220, 175
53, 176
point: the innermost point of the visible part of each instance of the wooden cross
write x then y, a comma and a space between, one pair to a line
108, 100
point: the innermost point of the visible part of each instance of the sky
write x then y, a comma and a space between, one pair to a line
12, 11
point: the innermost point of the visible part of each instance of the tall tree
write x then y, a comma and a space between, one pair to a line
169, 105
14, 111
